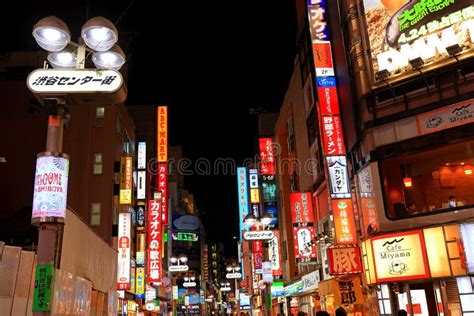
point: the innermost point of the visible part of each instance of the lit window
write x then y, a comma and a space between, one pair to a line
97, 163
434, 179
99, 116
95, 214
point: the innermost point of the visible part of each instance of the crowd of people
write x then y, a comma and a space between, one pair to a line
342, 312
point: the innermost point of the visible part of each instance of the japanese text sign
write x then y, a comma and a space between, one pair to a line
344, 222
301, 208
318, 20
327, 95
74, 81
274, 254
305, 249
126, 172
163, 188
338, 176
242, 192
267, 158
124, 248
332, 136
344, 260
154, 241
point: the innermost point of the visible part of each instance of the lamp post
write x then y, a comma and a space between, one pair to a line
53, 88
177, 264
234, 273
262, 224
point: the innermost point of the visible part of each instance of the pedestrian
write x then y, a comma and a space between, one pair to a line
402, 312
341, 312
322, 313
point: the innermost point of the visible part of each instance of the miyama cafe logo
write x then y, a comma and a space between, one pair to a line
395, 251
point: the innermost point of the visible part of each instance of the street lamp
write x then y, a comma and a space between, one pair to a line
265, 220
98, 34
177, 264
70, 80
234, 273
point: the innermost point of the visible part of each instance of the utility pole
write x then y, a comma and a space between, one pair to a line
50, 229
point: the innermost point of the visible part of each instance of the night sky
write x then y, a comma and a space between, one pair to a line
210, 61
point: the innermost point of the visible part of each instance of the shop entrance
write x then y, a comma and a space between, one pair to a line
425, 300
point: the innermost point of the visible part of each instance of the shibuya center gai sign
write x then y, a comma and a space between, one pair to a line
50, 189
403, 30
259, 235
74, 81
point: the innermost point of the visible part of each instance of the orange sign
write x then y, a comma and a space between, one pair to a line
126, 170
369, 214
344, 221
162, 134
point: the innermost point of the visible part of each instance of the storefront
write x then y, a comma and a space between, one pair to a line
343, 292
309, 301
292, 300
422, 270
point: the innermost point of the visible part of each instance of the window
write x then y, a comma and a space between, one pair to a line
99, 116
294, 182
466, 293
312, 126
383, 296
95, 214
118, 125
439, 179
97, 163
291, 134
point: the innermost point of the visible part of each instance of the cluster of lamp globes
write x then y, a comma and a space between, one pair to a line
233, 272
189, 281
99, 34
179, 263
225, 287
251, 220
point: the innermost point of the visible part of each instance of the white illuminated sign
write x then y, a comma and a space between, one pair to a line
339, 179
123, 267
141, 163
259, 235
74, 81
189, 284
236, 275
141, 184
225, 289
178, 268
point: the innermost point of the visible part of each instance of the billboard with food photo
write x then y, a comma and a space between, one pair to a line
402, 30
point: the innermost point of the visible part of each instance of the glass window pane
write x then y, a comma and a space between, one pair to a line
95, 220
95, 214
97, 168
98, 158
99, 112
388, 308
467, 303
385, 292
464, 285
382, 310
